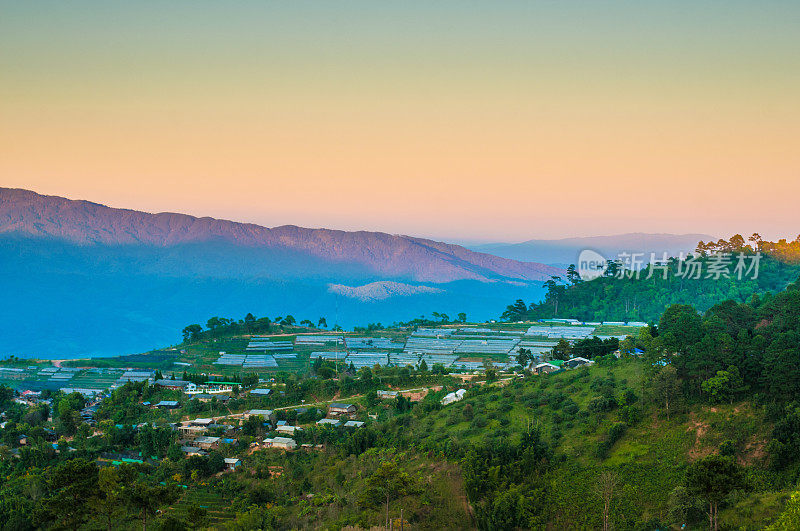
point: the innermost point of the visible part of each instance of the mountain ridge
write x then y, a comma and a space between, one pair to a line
27, 213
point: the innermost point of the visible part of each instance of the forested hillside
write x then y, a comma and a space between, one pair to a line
703, 280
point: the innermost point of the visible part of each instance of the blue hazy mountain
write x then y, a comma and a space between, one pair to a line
83, 279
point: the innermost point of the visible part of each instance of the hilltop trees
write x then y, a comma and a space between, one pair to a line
192, 332
621, 294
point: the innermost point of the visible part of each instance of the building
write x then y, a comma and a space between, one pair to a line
268, 414
190, 432
287, 430
203, 397
168, 404
88, 413
192, 450
382, 394
231, 463
577, 362
282, 443
545, 368
202, 422
220, 387
455, 396
261, 392
353, 424
207, 443
177, 385
328, 422
337, 409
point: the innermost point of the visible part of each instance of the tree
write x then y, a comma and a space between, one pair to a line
516, 311
462, 317
523, 357
572, 274
197, 516
388, 482
73, 484
192, 332
322, 323
111, 483
146, 500
712, 479
724, 386
175, 454
664, 386
562, 350
606, 484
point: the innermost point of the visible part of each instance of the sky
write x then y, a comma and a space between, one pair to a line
467, 121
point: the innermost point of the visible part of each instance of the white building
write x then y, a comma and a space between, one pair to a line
282, 443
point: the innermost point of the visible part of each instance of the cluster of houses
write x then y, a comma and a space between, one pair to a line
190, 388
197, 442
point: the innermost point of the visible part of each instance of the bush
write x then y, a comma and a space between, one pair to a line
615, 433
727, 448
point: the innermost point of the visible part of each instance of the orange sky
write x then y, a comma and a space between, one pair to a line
504, 124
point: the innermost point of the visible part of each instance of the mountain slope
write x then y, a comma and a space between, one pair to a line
29, 214
565, 251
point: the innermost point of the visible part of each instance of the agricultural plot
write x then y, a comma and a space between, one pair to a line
558, 332
433, 332
486, 346
358, 359
265, 344
318, 340
617, 330
423, 345
248, 361
215, 505
368, 343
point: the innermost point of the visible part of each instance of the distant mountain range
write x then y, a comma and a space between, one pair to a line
80, 278
565, 251
28, 214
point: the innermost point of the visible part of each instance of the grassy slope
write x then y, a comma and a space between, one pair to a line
649, 460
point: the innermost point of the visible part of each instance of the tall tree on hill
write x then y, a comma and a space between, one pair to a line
712, 479
516, 311
572, 274
192, 332
555, 292
606, 484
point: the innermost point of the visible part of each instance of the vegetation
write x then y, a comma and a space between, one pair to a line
625, 295
701, 430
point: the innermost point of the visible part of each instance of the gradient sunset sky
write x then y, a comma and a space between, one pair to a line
495, 121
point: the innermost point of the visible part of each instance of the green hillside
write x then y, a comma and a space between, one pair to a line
623, 294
